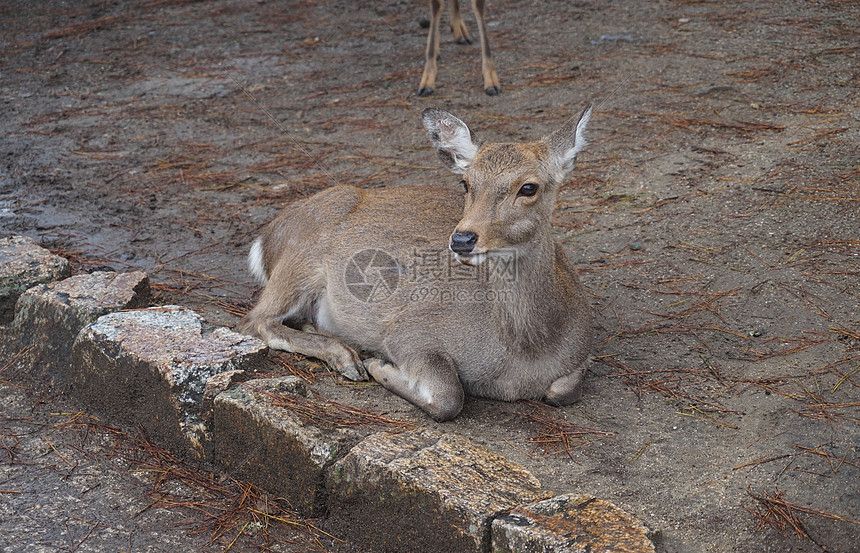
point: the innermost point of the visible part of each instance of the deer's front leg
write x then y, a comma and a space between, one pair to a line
428, 381
333, 351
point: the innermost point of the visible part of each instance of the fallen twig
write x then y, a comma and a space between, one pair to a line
557, 435
774, 511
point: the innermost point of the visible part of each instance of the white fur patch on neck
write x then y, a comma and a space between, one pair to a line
472, 259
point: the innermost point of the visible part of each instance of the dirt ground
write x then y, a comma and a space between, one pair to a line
714, 217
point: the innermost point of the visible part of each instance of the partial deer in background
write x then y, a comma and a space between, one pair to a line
461, 34
450, 293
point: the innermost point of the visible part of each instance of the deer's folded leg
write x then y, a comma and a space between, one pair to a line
333, 351
427, 380
565, 390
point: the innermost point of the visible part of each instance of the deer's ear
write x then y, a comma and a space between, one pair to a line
565, 143
454, 142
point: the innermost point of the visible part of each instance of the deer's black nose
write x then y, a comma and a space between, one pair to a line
463, 242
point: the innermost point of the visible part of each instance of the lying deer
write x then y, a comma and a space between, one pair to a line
461, 35
508, 319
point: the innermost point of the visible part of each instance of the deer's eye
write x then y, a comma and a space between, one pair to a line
528, 189
465, 185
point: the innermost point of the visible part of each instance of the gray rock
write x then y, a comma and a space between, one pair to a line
48, 317
23, 264
570, 524
424, 491
150, 367
267, 444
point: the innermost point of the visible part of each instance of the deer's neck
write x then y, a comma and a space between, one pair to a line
531, 308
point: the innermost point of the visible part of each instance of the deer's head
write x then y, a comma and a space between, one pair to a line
510, 189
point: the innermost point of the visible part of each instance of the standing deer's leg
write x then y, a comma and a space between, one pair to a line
488, 68
461, 33
428, 380
428, 79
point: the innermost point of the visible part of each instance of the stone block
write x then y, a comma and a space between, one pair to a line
49, 316
151, 367
271, 446
23, 265
424, 491
570, 524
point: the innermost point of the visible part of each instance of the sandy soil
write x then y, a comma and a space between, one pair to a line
713, 219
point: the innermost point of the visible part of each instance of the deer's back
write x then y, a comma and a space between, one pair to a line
343, 220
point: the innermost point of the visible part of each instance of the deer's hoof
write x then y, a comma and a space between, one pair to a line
425, 91
355, 372
464, 40
493, 91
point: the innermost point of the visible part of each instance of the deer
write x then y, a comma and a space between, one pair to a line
351, 270
461, 35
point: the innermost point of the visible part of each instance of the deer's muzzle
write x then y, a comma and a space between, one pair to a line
463, 242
